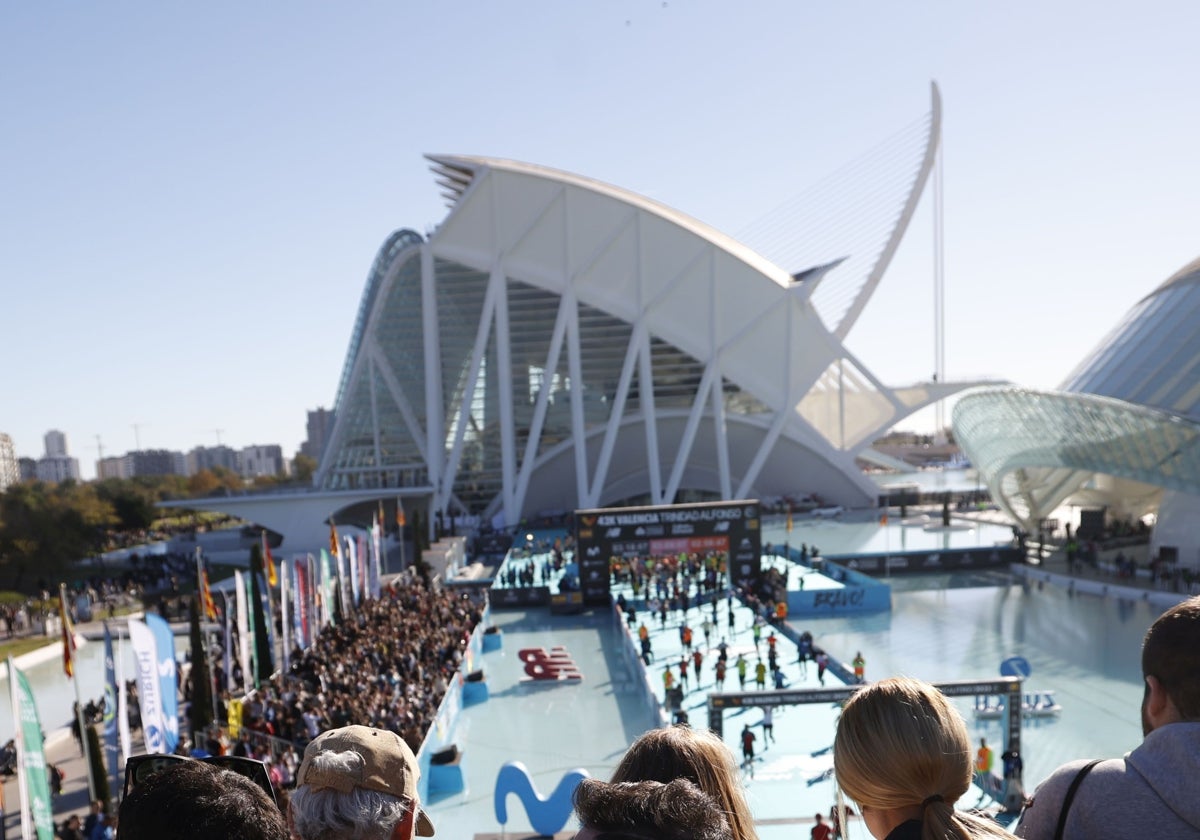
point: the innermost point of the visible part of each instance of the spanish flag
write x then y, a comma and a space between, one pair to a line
206, 598
68, 632
333, 540
269, 562
399, 514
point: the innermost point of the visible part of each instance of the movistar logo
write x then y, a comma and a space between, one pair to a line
547, 816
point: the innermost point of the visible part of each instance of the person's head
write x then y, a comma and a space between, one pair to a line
192, 800
680, 752
648, 810
1171, 667
902, 752
358, 782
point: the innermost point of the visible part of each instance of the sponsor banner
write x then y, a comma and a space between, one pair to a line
525, 596
36, 783
494, 543
919, 562
164, 648
566, 603
112, 744
689, 545
730, 528
142, 640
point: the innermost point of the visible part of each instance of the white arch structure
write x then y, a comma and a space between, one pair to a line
558, 343
580, 345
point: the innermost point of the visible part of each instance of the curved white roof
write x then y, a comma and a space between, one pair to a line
561, 339
469, 165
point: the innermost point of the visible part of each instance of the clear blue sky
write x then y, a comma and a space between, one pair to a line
191, 195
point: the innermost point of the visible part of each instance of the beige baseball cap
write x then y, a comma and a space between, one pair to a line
389, 766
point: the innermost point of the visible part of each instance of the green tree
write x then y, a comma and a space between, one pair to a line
229, 479
303, 467
203, 483
200, 713
47, 527
96, 758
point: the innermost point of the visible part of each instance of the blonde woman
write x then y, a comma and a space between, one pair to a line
903, 754
680, 752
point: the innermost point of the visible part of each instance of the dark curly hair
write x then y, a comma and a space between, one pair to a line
677, 810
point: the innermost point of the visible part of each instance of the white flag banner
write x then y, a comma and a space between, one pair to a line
373, 578
243, 626
284, 622
146, 658
122, 701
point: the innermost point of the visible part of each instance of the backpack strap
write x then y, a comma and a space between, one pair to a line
1066, 805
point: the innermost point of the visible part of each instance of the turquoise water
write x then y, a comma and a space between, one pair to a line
1085, 649
863, 534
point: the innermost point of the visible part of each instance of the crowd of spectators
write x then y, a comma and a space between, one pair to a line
388, 666
115, 540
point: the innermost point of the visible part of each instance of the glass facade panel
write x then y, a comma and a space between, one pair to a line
1017, 438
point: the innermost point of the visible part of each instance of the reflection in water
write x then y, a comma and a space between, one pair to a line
1084, 648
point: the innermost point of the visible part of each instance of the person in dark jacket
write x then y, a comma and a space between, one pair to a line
1152, 789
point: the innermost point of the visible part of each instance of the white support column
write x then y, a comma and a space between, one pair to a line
786, 406
543, 401
575, 366
646, 396
411, 421
764, 450
617, 413
689, 431
486, 314
841, 386
340, 420
435, 418
721, 432
498, 282
374, 414
717, 392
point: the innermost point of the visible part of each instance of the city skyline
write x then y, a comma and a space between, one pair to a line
196, 195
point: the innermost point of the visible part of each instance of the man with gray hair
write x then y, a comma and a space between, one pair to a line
358, 783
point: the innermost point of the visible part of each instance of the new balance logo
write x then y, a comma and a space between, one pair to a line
556, 664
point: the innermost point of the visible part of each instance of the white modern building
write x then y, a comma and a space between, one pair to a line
318, 427
117, 466
210, 458
56, 444
55, 468
560, 343
57, 464
262, 460
10, 471
1121, 434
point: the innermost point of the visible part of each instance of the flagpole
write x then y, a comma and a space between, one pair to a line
203, 599
83, 732
19, 740
400, 523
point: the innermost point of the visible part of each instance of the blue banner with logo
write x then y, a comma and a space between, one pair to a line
111, 747
168, 696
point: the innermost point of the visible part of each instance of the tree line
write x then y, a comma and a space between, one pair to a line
46, 527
